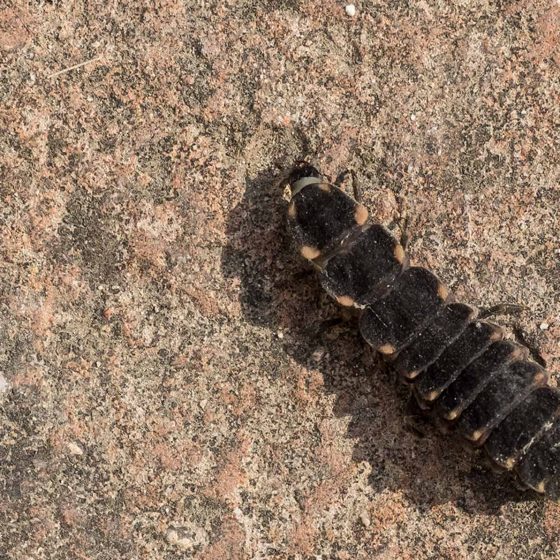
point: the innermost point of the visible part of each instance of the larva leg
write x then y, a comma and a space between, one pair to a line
403, 221
501, 309
534, 351
342, 176
415, 418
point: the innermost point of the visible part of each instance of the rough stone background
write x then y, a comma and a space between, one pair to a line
168, 388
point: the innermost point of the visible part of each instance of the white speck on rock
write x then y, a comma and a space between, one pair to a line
74, 448
186, 538
350, 10
365, 519
544, 326
177, 538
318, 355
4, 385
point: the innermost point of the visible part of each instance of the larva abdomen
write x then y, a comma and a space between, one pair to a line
483, 387
474, 341
367, 269
431, 341
474, 378
414, 298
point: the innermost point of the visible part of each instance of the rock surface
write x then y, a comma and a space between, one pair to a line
168, 387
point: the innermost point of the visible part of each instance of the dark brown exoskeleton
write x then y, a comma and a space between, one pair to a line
482, 387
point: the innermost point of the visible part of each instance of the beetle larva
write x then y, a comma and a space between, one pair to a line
479, 385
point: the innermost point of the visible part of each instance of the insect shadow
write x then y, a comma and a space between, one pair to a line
280, 292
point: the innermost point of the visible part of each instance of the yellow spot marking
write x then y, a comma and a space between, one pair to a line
509, 464
411, 374
347, 301
497, 334
443, 292
310, 252
292, 210
325, 187
540, 487
453, 414
361, 214
399, 253
386, 349
540, 378
432, 396
476, 435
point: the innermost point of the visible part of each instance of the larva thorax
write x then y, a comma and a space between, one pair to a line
461, 369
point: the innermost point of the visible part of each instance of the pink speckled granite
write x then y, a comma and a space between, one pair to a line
167, 389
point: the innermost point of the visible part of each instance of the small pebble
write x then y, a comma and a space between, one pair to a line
74, 448
318, 355
365, 519
3, 384
175, 538
544, 326
350, 10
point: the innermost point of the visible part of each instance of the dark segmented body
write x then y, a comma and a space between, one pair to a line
481, 387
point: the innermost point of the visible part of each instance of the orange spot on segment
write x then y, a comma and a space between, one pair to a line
476, 435
292, 210
497, 334
443, 292
540, 378
399, 253
361, 214
347, 301
386, 349
453, 414
325, 187
310, 252
432, 396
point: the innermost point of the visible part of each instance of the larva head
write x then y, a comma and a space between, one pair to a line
320, 214
301, 175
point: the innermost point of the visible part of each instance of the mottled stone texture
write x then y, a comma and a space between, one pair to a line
168, 385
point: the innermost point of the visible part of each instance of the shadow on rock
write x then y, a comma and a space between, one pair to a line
280, 292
